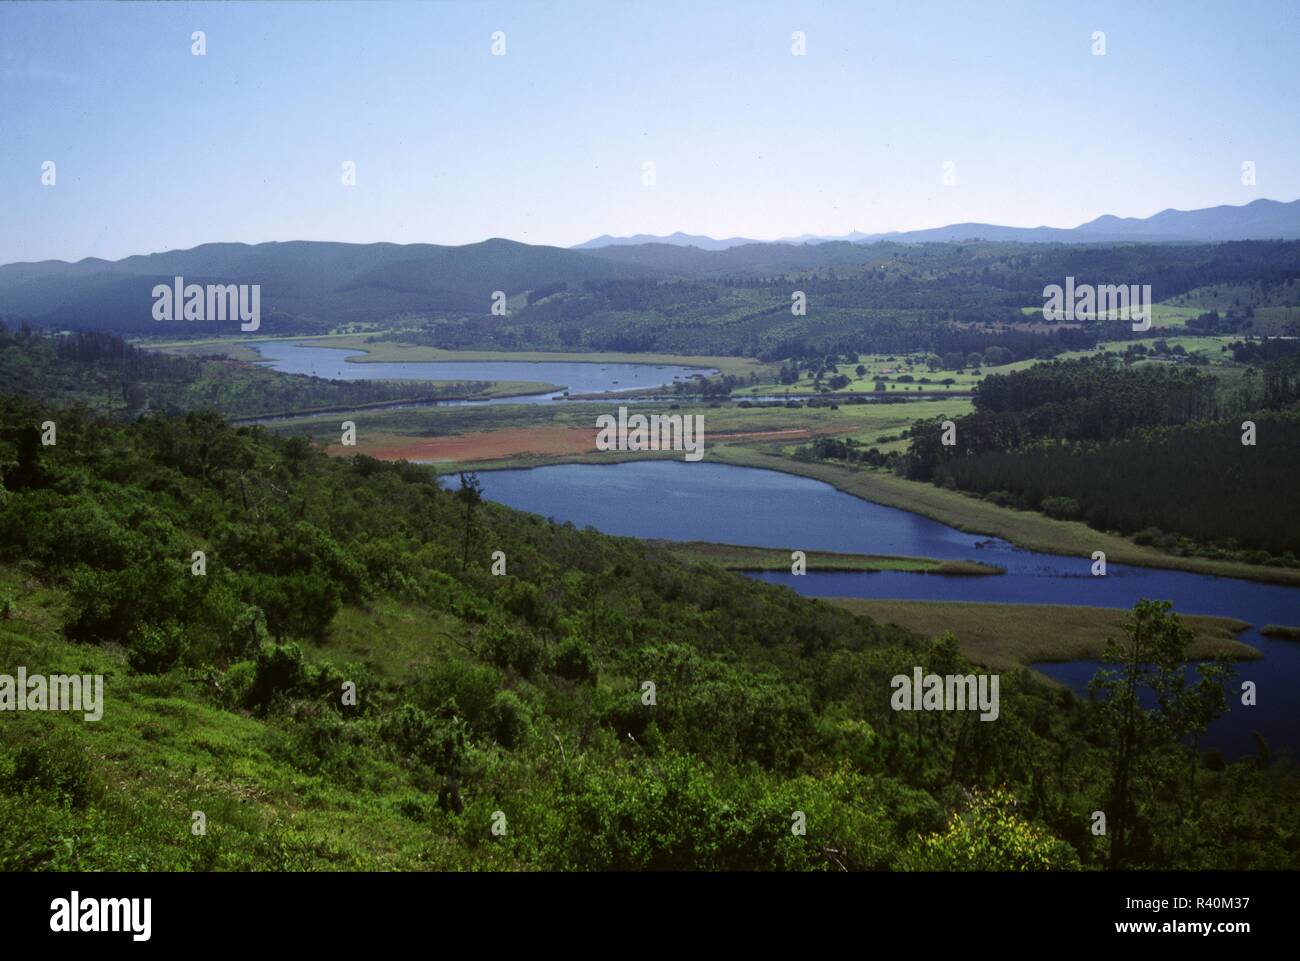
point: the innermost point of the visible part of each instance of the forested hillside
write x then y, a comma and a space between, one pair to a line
107, 374
521, 696
873, 298
307, 287
887, 296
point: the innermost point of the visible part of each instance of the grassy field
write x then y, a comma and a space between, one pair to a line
719, 419
395, 640
229, 346
1162, 315
495, 389
886, 367
735, 557
880, 425
890, 368
1005, 636
229, 349
410, 433
874, 425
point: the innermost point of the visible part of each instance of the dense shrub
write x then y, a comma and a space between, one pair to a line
155, 648
419, 736
512, 648
509, 719
574, 659
54, 761
279, 670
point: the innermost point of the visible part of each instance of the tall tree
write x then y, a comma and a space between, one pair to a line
1149, 707
470, 494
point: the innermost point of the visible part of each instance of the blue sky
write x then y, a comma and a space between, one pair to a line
159, 149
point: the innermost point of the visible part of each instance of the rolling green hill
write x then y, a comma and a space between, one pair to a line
607, 703
306, 286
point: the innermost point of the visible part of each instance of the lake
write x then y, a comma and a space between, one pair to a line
577, 377
675, 500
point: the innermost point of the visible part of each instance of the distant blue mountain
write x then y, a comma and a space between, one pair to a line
1258, 220
678, 239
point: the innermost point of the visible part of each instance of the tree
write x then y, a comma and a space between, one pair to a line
995, 356
1151, 662
470, 494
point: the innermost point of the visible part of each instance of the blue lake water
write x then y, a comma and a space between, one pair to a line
676, 500
291, 357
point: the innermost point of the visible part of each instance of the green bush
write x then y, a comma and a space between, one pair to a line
237, 683
417, 735
510, 719
110, 605
472, 687
279, 671
511, 648
524, 600
1062, 508
575, 660
155, 649
990, 836
56, 763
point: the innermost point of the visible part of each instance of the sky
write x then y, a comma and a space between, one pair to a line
156, 148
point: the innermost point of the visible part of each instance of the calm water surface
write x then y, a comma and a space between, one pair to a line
291, 357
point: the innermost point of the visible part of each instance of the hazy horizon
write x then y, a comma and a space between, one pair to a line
787, 238
158, 149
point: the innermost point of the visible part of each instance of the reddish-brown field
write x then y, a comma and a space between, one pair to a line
516, 441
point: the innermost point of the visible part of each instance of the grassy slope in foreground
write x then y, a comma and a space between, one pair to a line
1027, 529
1004, 636
161, 752
736, 557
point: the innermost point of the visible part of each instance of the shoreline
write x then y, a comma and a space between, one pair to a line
740, 557
1024, 529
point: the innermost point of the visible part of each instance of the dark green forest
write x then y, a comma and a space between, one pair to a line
523, 694
1150, 450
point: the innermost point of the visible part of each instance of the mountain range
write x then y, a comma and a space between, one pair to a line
307, 282
312, 285
1257, 220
